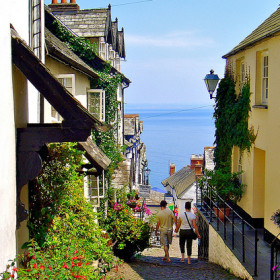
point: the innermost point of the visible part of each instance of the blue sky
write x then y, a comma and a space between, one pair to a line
172, 44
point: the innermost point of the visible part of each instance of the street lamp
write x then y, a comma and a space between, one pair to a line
211, 80
147, 171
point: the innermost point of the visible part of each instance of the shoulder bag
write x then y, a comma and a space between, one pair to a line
193, 236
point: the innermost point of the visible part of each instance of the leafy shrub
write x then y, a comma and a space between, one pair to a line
66, 238
129, 234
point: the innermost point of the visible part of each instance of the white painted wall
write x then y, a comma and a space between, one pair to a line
16, 13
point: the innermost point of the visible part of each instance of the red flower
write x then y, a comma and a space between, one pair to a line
28, 269
33, 257
72, 264
42, 267
15, 269
35, 265
80, 263
13, 276
50, 268
87, 263
117, 268
74, 258
65, 266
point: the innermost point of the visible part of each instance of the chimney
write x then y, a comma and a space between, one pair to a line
172, 169
64, 6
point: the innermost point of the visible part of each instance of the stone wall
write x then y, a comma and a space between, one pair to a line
220, 254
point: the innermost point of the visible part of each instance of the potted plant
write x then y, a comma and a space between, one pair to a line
227, 187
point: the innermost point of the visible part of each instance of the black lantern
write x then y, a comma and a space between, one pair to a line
211, 80
147, 171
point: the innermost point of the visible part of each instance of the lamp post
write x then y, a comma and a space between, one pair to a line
211, 80
147, 171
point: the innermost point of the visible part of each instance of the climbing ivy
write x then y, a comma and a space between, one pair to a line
231, 120
109, 82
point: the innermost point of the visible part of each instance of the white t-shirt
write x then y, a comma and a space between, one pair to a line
184, 221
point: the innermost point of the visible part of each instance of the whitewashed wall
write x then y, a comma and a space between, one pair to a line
16, 13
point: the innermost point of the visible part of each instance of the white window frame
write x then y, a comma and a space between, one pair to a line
102, 112
68, 76
94, 199
103, 50
264, 80
54, 114
112, 56
117, 62
242, 74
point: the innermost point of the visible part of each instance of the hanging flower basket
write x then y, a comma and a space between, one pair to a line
131, 203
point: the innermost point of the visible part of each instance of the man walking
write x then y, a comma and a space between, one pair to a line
165, 219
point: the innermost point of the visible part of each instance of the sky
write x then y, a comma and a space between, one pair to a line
172, 44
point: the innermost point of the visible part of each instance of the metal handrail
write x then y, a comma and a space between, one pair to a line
207, 192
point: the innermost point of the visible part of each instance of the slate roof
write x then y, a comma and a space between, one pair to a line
180, 180
88, 23
131, 124
121, 44
97, 63
268, 28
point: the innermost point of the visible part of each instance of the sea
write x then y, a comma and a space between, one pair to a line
172, 135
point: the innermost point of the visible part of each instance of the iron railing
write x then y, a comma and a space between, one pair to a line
275, 260
237, 233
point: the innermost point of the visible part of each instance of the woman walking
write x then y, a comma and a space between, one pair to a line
187, 222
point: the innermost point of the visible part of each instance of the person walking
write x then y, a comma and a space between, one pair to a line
187, 222
165, 219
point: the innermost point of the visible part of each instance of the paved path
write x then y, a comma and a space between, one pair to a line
149, 266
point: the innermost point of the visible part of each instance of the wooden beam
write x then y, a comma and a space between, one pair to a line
56, 94
93, 153
33, 138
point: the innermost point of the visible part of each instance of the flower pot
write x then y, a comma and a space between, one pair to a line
221, 212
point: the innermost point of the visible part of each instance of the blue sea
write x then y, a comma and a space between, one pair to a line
172, 135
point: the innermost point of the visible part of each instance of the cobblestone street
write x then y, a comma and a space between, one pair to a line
150, 266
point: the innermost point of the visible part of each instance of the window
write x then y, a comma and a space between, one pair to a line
96, 188
102, 50
93, 190
242, 74
112, 56
262, 83
264, 78
68, 81
117, 62
96, 103
35, 28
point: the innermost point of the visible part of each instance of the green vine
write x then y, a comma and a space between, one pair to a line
80, 46
231, 121
109, 82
